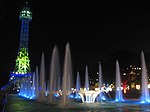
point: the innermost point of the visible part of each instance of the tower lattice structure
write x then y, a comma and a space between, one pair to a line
23, 62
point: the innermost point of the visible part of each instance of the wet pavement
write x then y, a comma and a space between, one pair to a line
16, 103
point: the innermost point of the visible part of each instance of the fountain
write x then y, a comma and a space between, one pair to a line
27, 87
54, 76
86, 79
59, 84
67, 76
37, 83
78, 86
42, 80
119, 96
33, 86
100, 81
145, 92
87, 95
52, 88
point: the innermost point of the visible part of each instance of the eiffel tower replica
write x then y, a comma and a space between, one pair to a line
22, 70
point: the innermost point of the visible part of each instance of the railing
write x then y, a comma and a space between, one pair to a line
19, 74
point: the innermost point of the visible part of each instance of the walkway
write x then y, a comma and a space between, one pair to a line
19, 104
16, 103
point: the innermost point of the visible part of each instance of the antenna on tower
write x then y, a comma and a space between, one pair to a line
27, 4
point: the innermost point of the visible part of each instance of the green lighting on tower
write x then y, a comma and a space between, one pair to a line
23, 62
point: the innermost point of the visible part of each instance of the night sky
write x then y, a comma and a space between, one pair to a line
94, 30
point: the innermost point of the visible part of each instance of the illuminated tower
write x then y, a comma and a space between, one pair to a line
22, 62
21, 78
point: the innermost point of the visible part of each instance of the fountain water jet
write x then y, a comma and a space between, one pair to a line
33, 85
145, 92
101, 95
119, 96
27, 87
54, 74
37, 83
42, 80
67, 76
59, 84
78, 86
86, 79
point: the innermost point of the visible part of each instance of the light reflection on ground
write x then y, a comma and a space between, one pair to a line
18, 104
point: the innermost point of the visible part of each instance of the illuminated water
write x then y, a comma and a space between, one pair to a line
145, 92
18, 104
54, 76
42, 80
100, 81
67, 80
37, 83
87, 95
33, 86
119, 96
86, 79
78, 85
27, 87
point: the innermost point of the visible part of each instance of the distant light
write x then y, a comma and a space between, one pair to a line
121, 88
124, 73
148, 86
138, 87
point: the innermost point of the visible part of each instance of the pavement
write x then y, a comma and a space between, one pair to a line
16, 103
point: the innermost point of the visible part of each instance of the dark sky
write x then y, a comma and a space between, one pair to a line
94, 30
